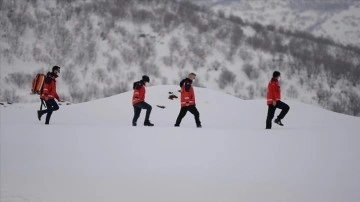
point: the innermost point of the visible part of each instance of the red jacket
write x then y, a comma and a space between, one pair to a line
273, 91
49, 89
139, 92
187, 93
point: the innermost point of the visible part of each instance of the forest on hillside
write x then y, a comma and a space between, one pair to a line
107, 45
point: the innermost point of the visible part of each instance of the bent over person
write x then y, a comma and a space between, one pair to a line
138, 101
49, 94
188, 101
273, 101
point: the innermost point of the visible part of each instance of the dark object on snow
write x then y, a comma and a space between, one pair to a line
172, 96
161, 106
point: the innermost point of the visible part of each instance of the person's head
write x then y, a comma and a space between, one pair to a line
276, 75
56, 70
146, 79
192, 76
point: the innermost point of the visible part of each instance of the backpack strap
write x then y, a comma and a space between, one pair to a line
42, 104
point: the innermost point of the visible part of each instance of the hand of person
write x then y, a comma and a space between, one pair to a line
274, 103
46, 98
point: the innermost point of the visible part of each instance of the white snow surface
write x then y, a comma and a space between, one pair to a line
91, 153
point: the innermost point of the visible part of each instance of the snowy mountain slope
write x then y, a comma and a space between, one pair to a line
104, 46
91, 153
338, 20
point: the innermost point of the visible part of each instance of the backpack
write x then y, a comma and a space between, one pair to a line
37, 84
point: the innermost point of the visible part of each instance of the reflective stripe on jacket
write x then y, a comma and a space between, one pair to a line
49, 90
187, 93
139, 92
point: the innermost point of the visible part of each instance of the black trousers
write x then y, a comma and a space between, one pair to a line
192, 109
137, 111
271, 112
51, 106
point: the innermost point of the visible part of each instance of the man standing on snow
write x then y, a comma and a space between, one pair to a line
273, 101
188, 101
49, 94
138, 101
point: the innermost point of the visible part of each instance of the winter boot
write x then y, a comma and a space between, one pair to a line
148, 123
133, 124
199, 126
39, 113
278, 121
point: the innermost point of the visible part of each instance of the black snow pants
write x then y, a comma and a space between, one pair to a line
271, 112
137, 111
51, 106
192, 109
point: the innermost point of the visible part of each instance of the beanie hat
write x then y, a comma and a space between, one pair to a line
146, 78
276, 74
55, 68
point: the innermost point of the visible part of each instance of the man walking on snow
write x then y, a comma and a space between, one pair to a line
138, 101
188, 101
273, 101
49, 94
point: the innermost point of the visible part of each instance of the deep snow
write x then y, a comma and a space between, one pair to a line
91, 153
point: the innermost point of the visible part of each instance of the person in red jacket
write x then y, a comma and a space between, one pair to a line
138, 101
188, 101
49, 94
273, 101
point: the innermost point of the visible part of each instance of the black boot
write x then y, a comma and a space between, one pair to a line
278, 121
148, 123
39, 113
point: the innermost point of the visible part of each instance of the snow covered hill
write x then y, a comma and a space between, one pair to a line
338, 20
91, 153
104, 46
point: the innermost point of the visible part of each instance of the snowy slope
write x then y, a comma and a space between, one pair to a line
101, 53
91, 153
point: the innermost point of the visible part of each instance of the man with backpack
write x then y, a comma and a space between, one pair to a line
138, 101
49, 94
273, 101
188, 101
